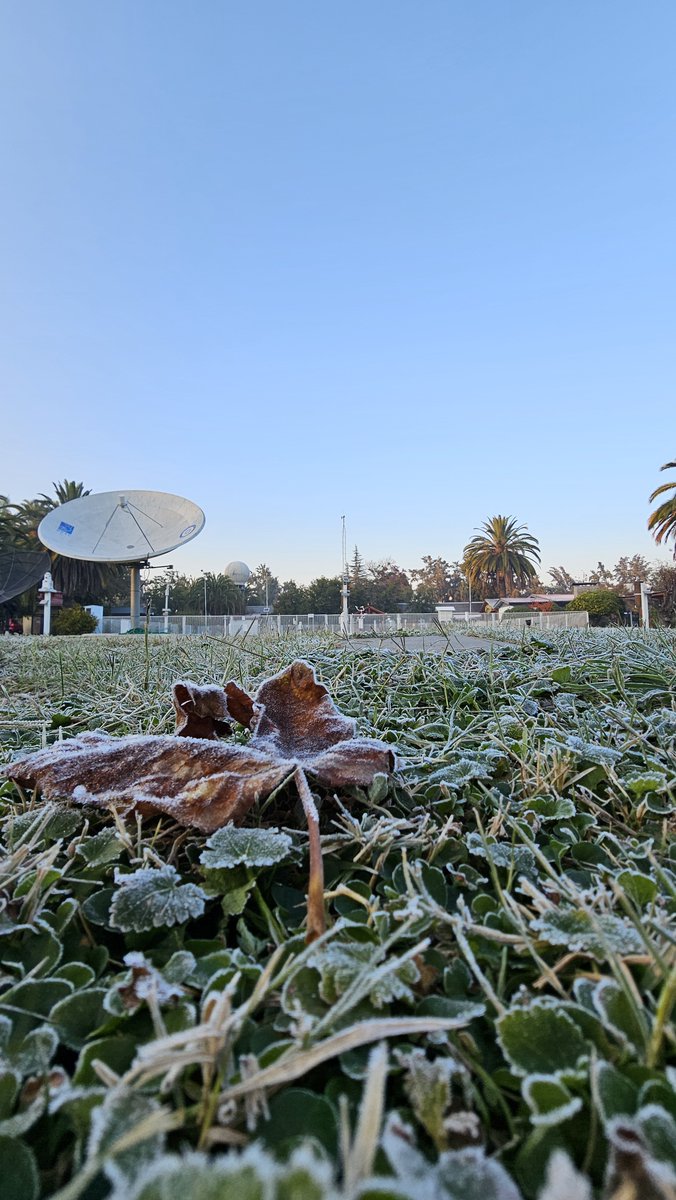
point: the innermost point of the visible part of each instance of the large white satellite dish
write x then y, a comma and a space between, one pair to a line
121, 527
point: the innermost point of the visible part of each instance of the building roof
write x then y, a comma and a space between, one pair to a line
541, 598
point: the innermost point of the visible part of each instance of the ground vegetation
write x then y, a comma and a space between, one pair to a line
490, 1010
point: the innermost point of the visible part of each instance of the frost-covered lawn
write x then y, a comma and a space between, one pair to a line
498, 978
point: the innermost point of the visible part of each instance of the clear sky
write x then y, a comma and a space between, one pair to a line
410, 262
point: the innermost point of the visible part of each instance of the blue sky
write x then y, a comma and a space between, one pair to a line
414, 263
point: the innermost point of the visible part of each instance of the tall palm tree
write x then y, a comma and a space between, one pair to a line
502, 555
662, 523
67, 490
28, 516
8, 530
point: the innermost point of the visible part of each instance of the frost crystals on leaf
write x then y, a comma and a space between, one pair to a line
228, 847
600, 935
152, 898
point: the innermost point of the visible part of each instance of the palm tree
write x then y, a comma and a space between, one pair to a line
8, 530
501, 555
28, 516
662, 523
67, 490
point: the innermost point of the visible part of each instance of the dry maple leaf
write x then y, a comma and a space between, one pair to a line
199, 781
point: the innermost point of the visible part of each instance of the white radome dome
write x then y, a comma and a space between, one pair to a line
238, 572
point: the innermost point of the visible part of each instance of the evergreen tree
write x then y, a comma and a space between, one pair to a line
357, 570
323, 595
292, 599
389, 586
435, 583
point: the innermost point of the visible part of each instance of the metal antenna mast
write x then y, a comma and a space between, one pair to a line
345, 590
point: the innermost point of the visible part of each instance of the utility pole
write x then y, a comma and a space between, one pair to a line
645, 605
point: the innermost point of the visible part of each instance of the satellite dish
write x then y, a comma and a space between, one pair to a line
19, 570
122, 527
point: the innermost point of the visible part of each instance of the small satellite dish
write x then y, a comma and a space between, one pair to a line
122, 527
19, 570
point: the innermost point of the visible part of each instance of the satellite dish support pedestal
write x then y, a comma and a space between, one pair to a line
135, 596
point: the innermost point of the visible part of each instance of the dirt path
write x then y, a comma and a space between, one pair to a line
431, 643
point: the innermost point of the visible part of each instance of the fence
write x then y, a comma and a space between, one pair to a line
376, 624
536, 620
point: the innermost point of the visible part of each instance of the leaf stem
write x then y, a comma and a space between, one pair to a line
664, 1007
316, 920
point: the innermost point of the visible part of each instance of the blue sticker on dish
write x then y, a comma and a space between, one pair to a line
64, 527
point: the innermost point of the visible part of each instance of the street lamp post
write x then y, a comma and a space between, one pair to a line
167, 586
205, 600
468, 581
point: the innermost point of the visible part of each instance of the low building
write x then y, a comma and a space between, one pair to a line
454, 610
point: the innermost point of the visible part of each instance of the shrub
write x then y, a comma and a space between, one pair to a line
71, 621
602, 604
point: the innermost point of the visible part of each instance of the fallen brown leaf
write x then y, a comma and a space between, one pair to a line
197, 782
296, 730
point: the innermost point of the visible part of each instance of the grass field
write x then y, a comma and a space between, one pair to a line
489, 1013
